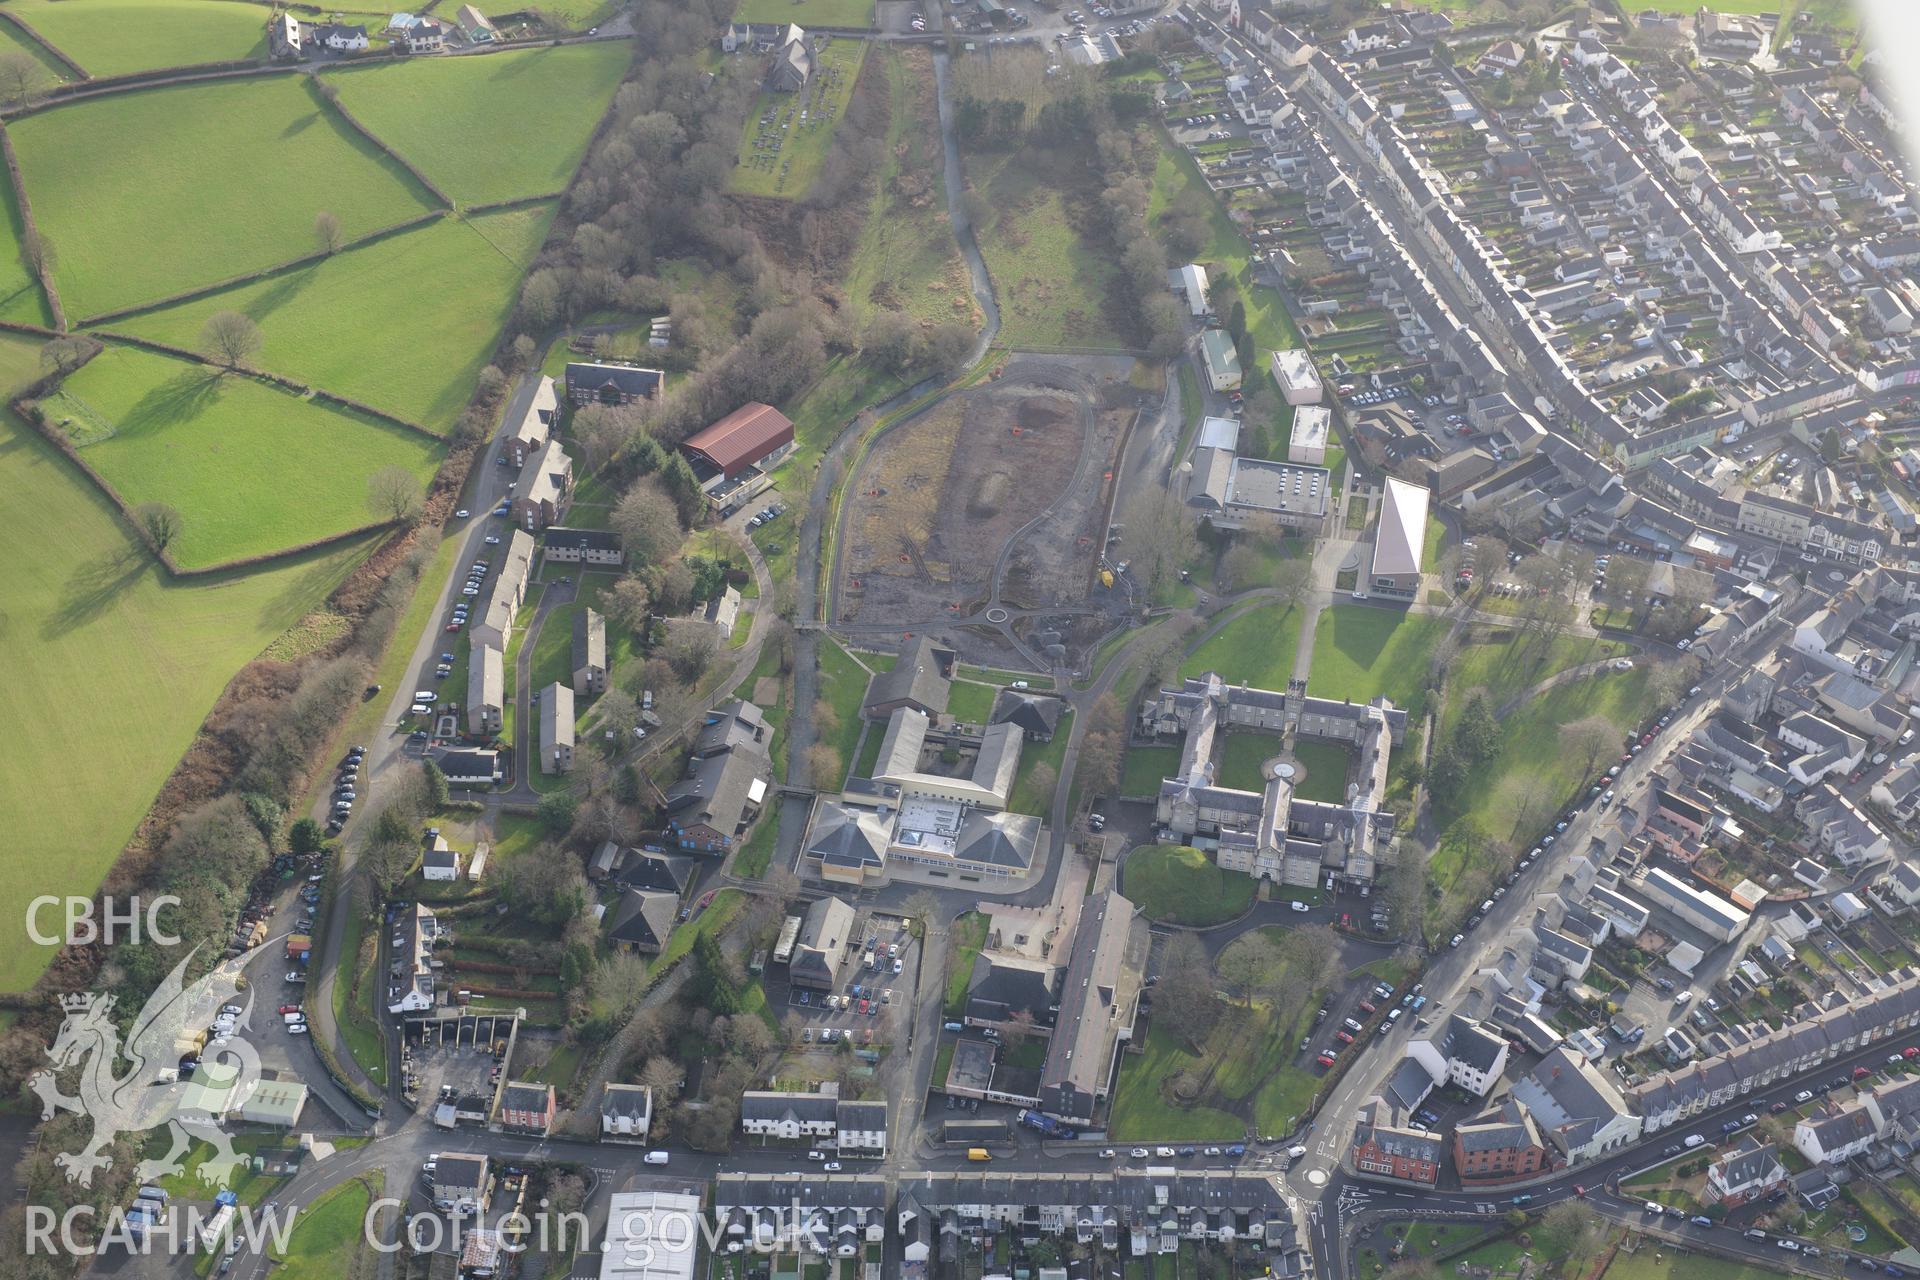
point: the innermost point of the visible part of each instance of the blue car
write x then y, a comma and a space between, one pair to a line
1237, 1149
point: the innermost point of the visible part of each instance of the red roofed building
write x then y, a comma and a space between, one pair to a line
754, 435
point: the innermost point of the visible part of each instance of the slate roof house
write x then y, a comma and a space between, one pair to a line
526, 1107
589, 653
1579, 1111
612, 383
626, 1112
920, 680
642, 920
826, 931
766, 1113
1748, 1172
1036, 715
712, 806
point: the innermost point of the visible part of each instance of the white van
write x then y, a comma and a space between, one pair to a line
656, 1157
424, 695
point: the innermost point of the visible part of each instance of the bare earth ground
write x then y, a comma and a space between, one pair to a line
940, 497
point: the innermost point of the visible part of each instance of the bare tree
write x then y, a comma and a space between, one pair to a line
22, 78
664, 1076
824, 766
229, 338
326, 230
1183, 1002
67, 352
1161, 536
1588, 739
39, 252
1246, 962
630, 604
394, 494
159, 522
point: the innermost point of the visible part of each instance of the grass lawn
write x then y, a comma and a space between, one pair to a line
1242, 757
120, 37
1326, 764
801, 124
843, 686
1052, 285
906, 258
20, 296
1180, 885
808, 13
1146, 767
489, 128
327, 1234
1505, 666
1362, 653
150, 193
965, 937
1027, 797
1666, 1264
1257, 648
360, 325
553, 653
251, 468
1142, 1113
112, 666
971, 701
251, 1187
353, 1011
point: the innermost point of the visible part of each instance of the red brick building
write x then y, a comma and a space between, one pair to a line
1383, 1149
527, 1107
1500, 1144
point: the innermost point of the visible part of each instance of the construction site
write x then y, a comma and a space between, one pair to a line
995, 497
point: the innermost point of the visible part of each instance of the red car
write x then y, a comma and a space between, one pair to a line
1325, 1059
706, 899
1861, 1073
1580, 1191
1368, 1006
1343, 1037
289, 1008
1910, 1053
863, 1006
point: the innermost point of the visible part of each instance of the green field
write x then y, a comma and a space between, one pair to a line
1362, 654
359, 323
1145, 768
803, 123
20, 296
251, 469
14, 39
493, 128
120, 37
570, 15
1257, 648
150, 193
112, 667
906, 258
1180, 885
1053, 286
1027, 797
808, 13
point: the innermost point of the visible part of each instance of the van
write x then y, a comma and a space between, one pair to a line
1755, 1233
156, 1194
656, 1157
979, 1154
1653, 1206
954, 1026
1694, 1140
424, 695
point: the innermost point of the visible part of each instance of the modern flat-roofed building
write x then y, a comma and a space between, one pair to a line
1308, 443
1299, 381
1399, 542
651, 1235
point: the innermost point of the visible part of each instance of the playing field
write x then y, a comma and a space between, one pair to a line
120, 37
250, 468
493, 128
360, 324
110, 668
146, 194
